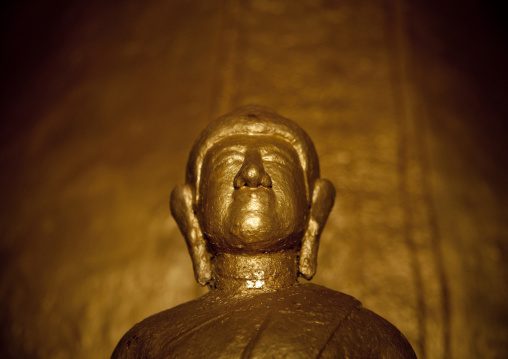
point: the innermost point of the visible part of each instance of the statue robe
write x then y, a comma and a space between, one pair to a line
303, 321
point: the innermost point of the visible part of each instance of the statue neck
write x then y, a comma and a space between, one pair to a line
251, 274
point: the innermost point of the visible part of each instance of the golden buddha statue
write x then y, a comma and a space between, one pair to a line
252, 211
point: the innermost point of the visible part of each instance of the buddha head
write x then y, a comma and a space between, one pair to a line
252, 187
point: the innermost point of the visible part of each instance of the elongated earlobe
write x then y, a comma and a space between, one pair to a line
183, 212
323, 198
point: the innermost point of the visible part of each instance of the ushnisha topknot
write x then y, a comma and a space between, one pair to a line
253, 120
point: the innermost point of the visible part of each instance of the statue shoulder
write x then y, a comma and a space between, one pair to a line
308, 319
143, 340
358, 331
328, 298
365, 334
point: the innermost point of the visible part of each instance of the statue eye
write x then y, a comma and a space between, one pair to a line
278, 160
228, 159
273, 157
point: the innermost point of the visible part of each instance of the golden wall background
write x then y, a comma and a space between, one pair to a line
406, 102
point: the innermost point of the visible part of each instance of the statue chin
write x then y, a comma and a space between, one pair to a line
254, 222
253, 227
252, 215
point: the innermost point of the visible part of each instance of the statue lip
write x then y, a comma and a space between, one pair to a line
252, 211
252, 193
256, 188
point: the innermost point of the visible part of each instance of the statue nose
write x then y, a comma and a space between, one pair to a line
252, 173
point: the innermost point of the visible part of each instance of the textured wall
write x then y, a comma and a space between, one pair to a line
102, 102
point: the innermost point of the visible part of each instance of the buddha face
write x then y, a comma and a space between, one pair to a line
252, 195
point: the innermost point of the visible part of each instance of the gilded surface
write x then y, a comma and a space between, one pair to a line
252, 212
404, 100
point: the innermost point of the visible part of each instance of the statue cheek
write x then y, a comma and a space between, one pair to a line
215, 208
291, 198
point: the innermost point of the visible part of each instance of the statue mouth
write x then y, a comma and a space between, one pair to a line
253, 197
253, 213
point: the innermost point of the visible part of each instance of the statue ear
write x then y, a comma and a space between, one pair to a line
323, 198
181, 204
